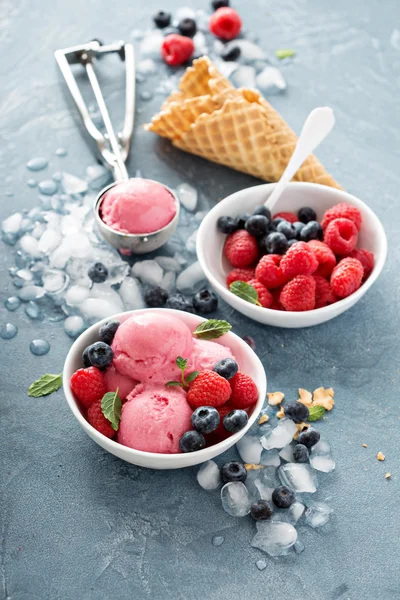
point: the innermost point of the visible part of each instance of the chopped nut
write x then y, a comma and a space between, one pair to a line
263, 419
380, 456
364, 446
322, 397
280, 414
252, 467
330, 392
275, 398
300, 427
305, 397
388, 475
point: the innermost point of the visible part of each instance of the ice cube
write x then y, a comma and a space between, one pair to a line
208, 475
318, 514
30, 246
218, 48
147, 67
270, 81
191, 279
79, 245
270, 458
202, 19
200, 44
274, 538
33, 311
94, 309
25, 274
287, 453
323, 463
298, 476
49, 241
60, 256
236, 500
12, 224
191, 243
249, 448
148, 271
132, 294
280, 436
168, 263
248, 50
264, 491
76, 294
295, 511
73, 326
38, 230
168, 281
98, 177
187, 195
73, 185
266, 481
244, 76
185, 12
55, 281
321, 447
31, 292
117, 272
150, 46
103, 291
227, 68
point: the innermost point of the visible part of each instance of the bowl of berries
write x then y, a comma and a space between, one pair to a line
162, 388
308, 262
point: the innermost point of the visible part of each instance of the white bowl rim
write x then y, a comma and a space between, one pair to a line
224, 444
207, 222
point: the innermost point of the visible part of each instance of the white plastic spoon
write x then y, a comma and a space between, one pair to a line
318, 124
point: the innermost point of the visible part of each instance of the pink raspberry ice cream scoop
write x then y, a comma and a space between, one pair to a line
206, 354
115, 380
138, 206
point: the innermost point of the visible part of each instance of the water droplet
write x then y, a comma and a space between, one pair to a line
32, 183
12, 303
218, 540
61, 152
9, 194
48, 187
39, 347
57, 176
37, 164
146, 95
140, 78
33, 311
8, 331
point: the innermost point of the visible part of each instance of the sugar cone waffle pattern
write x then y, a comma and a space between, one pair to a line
236, 128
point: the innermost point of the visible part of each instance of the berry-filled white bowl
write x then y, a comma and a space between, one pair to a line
246, 357
210, 243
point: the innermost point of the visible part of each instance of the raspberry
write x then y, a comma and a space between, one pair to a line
240, 275
88, 385
346, 277
225, 23
241, 248
299, 260
276, 303
325, 257
288, 216
177, 49
98, 421
264, 296
366, 258
341, 236
299, 294
268, 271
221, 433
323, 292
208, 389
342, 211
244, 391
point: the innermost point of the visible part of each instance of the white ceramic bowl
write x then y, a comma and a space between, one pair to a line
248, 361
210, 244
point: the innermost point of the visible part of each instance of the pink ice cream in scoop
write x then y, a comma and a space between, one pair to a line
147, 345
138, 206
115, 380
206, 354
154, 419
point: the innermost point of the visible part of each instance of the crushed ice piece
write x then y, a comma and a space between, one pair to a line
150, 46
227, 67
191, 242
321, 447
117, 272
76, 294
295, 511
31, 292
169, 281
37, 164
274, 538
321, 462
39, 347
244, 76
98, 177
218, 47
168, 263
12, 224
148, 271
236, 500
38, 230
25, 274
191, 279
200, 44
8, 331
32, 183
49, 240
61, 152
70, 224
299, 476
270, 81
218, 540
318, 514
202, 20
12, 303
48, 187
248, 50
95, 309
30, 246
187, 195
287, 453
185, 12
103, 291
280, 436
208, 475
55, 281
132, 294
261, 564
270, 458
249, 449
147, 67
74, 326
299, 547
73, 185
33, 311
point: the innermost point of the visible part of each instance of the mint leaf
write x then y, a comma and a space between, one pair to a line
244, 291
192, 376
212, 329
46, 385
286, 53
111, 405
316, 413
173, 383
181, 362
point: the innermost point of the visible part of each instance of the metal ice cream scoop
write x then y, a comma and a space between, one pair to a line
113, 149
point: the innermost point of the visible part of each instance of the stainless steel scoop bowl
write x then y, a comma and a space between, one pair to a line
113, 149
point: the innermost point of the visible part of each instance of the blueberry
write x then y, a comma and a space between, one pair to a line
287, 229
156, 296
187, 27
298, 227
309, 437
98, 272
108, 330
274, 223
311, 231
250, 341
231, 53
162, 19
296, 411
307, 214
191, 441
233, 471
205, 301
235, 420
283, 496
226, 225
257, 225
240, 220
274, 243
227, 368
262, 210
85, 358
205, 419
261, 510
300, 453
292, 243
216, 4
179, 302
100, 355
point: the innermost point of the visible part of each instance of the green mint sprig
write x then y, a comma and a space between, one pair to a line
212, 329
245, 291
316, 413
181, 363
111, 405
47, 384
